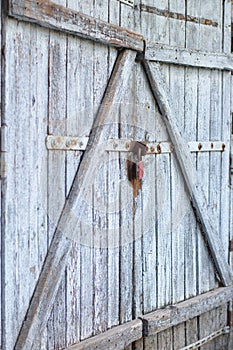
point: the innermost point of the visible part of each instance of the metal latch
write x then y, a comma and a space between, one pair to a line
139, 150
127, 2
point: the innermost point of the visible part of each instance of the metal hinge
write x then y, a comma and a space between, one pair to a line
3, 151
207, 339
127, 2
68, 143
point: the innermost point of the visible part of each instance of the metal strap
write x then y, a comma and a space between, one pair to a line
68, 143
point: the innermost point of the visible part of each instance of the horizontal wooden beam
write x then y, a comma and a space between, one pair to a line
117, 338
51, 15
121, 336
188, 57
163, 319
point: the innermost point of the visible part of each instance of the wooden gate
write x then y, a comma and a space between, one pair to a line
116, 192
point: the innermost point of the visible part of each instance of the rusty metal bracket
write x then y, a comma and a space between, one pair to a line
68, 143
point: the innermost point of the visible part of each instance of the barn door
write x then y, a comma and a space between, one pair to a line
129, 229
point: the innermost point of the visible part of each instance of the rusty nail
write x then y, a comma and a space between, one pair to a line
171, 148
223, 146
199, 146
212, 145
158, 148
127, 145
152, 149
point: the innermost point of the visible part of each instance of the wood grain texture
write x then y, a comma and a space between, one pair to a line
54, 265
179, 196
54, 16
197, 196
178, 55
175, 314
117, 338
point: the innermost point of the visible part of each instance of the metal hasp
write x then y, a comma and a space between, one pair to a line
139, 150
127, 2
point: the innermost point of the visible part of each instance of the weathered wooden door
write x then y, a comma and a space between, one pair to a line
116, 197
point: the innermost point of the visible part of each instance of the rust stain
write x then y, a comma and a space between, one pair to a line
178, 16
132, 177
223, 146
212, 145
159, 149
199, 146
152, 149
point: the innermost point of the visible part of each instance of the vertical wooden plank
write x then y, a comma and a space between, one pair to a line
190, 132
113, 200
147, 114
179, 201
211, 187
100, 58
126, 216
57, 169
126, 194
75, 127
86, 250
150, 210
38, 104
140, 125
16, 191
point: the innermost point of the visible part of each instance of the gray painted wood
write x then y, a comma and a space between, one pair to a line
175, 54
54, 265
86, 63
55, 16
163, 319
189, 173
117, 338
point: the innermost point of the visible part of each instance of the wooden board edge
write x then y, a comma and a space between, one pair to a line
173, 315
53, 16
116, 338
187, 57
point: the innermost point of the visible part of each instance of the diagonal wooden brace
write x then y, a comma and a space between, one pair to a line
163, 98
55, 262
